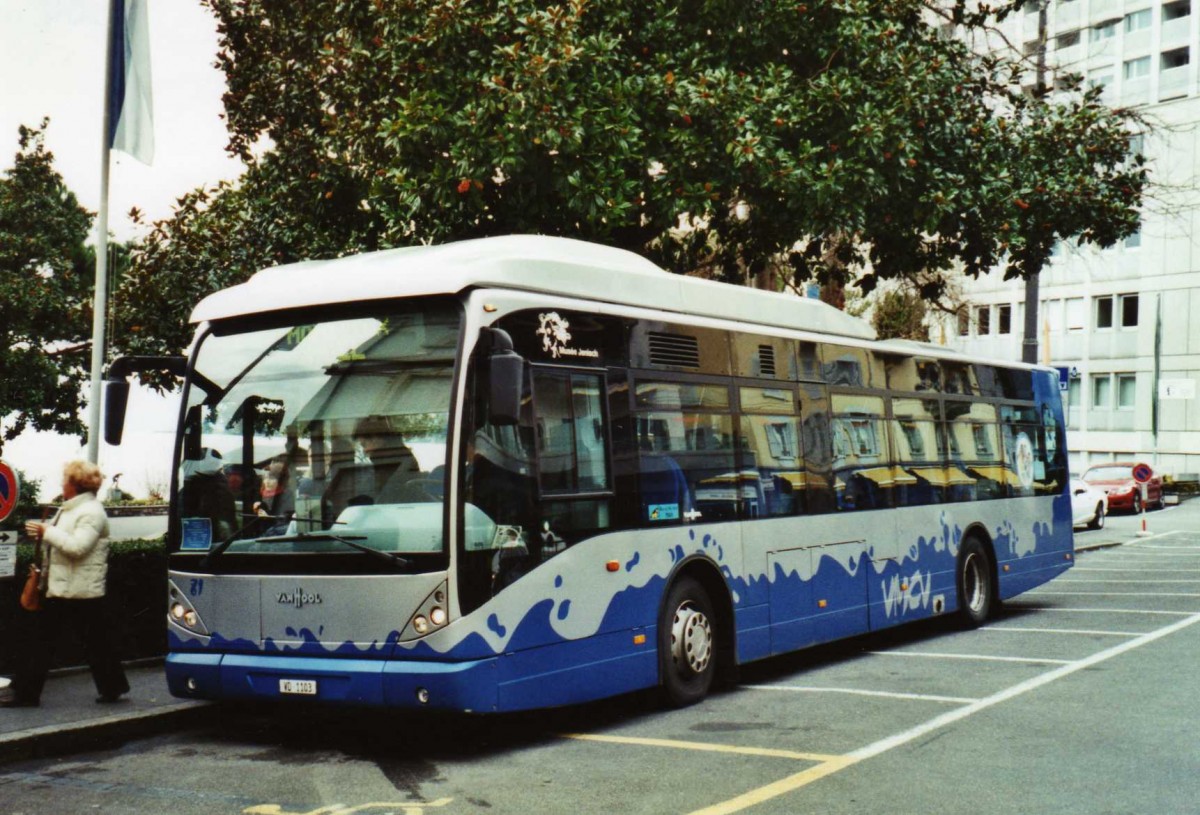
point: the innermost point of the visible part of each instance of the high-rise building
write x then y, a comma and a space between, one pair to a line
1122, 324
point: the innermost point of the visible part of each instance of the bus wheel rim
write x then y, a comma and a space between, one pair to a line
691, 639
974, 582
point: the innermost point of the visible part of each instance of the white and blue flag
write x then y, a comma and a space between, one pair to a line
131, 110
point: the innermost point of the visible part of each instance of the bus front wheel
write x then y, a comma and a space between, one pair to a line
976, 591
687, 643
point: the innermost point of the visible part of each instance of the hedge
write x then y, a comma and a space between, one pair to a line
137, 605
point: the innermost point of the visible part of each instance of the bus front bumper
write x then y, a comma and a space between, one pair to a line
468, 686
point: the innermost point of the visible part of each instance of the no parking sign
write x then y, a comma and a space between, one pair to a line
10, 490
1142, 473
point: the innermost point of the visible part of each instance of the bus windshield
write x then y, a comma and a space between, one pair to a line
300, 437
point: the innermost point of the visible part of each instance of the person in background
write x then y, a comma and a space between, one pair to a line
74, 573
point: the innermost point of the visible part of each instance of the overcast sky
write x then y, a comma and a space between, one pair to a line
52, 64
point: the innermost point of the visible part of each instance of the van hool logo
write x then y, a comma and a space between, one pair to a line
555, 336
298, 598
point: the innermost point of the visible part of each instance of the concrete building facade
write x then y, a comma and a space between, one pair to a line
1123, 323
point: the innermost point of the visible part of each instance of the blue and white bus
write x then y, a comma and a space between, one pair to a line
520, 472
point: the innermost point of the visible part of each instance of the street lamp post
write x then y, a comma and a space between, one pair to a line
1029, 346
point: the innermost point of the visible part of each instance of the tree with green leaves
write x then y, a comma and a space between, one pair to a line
899, 313
46, 278
842, 140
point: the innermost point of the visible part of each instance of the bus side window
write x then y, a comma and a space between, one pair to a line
863, 473
574, 479
975, 470
684, 431
770, 448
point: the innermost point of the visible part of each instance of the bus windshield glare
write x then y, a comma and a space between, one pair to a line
320, 437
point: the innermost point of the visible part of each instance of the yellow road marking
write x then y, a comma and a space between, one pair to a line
781, 787
704, 747
407, 808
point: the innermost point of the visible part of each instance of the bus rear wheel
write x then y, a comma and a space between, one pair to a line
687, 643
976, 591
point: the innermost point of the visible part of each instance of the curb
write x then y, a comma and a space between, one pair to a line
59, 739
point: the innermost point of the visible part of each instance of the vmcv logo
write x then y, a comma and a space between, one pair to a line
298, 598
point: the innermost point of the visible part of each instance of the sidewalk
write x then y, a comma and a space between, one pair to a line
69, 719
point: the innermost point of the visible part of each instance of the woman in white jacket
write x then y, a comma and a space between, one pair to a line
74, 571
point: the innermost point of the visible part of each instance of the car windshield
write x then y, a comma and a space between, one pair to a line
1115, 473
302, 433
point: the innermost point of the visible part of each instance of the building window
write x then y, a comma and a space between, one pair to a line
983, 320
1053, 311
1175, 58
1137, 145
1129, 311
1004, 319
1138, 20
1137, 68
1176, 10
1135, 240
1105, 31
1104, 312
1075, 314
1126, 391
1101, 391
1100, 81
1073, 392
1066, 40
964, 322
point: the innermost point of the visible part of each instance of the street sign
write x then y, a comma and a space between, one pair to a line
8, 559
1142, 473
1064, 378
10, 490
8, 536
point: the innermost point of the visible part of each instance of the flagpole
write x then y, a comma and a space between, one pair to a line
100, 301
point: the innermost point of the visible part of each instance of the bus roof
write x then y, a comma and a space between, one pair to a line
555, 266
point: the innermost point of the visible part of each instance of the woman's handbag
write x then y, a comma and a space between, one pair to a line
31, 594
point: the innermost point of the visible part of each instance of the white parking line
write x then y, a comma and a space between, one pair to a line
1137, 549
976, 657
1041, 593
1111, 611
891, 742
918, 697
1073, 580
1089, 631
836, 764
1078, 569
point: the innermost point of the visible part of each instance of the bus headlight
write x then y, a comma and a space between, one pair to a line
429, 616
181, 613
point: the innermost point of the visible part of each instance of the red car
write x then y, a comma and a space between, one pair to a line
1116, 479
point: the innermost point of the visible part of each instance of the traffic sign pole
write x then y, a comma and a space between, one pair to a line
1142, 473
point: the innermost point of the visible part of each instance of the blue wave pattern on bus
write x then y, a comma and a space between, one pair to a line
512, 622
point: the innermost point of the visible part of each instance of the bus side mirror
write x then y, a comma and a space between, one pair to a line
116, 388
116, 398
506, 371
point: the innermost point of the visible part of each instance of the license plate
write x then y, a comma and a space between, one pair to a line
304, 687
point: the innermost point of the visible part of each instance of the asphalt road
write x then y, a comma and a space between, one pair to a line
1079, 698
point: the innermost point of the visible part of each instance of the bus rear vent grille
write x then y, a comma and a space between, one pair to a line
676, 350
766, 361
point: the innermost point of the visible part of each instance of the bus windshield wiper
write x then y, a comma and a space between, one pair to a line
254, 517
347, 540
